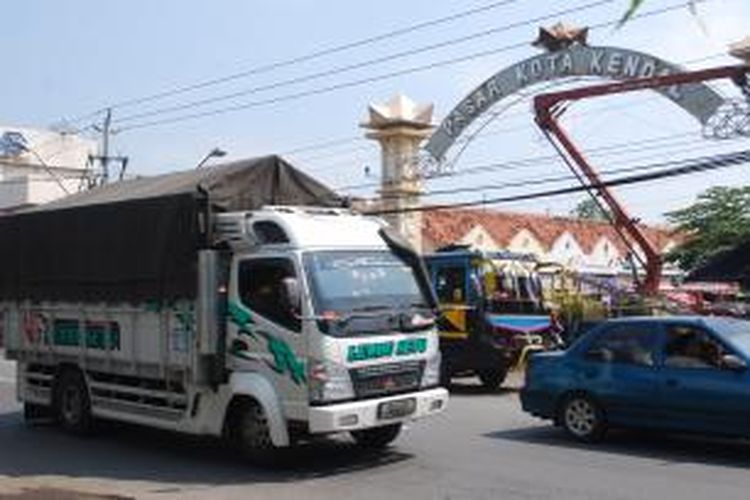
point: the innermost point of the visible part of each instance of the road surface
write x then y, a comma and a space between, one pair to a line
483, 447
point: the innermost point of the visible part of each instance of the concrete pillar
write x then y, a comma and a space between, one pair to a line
400, 126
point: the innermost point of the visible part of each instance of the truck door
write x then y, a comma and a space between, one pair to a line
451, 290
265, 333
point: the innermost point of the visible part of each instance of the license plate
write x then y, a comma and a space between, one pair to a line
397, 408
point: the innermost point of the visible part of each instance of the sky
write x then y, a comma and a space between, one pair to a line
65, 61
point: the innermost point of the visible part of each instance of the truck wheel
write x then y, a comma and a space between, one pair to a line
377, 437
445, 375
33, 413
582, 418
252, 435
73, 406
492, 378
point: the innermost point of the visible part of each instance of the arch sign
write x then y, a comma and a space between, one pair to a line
613, 63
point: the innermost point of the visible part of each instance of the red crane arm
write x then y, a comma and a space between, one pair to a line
546, 107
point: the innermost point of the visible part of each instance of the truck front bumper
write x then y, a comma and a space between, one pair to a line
364, 414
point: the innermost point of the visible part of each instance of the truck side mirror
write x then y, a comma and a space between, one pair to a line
292, 295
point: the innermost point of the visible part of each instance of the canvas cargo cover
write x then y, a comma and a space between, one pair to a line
138, 240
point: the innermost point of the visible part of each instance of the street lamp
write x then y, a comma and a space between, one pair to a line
214, 153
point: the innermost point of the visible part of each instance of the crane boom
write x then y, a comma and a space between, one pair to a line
547, 108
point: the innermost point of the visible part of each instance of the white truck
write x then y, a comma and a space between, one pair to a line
276, 323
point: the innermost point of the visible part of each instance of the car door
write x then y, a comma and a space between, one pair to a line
698, 392
265, 333
618, 367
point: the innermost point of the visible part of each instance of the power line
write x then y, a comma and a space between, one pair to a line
616, 148
305, 58
698, 165
357, 138
362, 64
358, 82
546, 180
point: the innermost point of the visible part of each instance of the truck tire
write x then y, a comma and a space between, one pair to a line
445, 375
33, 413
251, 435
376, 437
492, 378
72, 402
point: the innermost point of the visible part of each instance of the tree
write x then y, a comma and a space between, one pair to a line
717, 221
590, 210
637, 4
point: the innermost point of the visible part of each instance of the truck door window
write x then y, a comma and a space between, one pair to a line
261, 289
449, 284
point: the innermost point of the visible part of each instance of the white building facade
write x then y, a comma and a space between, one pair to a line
587, 247
38, 166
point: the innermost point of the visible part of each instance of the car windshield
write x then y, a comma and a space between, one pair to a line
736, 331
360, 281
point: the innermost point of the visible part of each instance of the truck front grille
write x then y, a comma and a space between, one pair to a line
384, 380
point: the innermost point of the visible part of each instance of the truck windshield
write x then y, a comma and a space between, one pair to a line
516, 294
347, 282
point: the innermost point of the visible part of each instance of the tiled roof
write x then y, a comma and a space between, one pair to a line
442, 227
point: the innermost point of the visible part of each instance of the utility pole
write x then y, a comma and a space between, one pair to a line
104, 158
105, 145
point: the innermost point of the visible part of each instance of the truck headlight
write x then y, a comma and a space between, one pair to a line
431, 374
329, 382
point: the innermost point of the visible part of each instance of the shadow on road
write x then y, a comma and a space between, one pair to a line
470, 386
125, 452
468, 389
670, 448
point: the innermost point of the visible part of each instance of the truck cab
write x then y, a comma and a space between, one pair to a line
340, 323
492, 311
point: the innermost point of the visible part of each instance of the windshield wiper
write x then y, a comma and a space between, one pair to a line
372, 311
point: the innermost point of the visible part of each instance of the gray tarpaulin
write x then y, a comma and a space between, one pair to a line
137, 240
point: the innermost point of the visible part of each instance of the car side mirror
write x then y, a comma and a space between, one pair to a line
733, 362
292, 295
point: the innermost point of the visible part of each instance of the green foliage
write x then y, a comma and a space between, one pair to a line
637, 4
634, 6
718, 220
589, 209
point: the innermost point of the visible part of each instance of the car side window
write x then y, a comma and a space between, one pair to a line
689, 346
261, 289
626, 344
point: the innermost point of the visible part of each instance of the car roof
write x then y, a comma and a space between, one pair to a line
659, 319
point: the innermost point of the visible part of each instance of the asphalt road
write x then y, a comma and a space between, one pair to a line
483, 447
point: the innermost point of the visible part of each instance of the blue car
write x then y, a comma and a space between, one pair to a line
677, 373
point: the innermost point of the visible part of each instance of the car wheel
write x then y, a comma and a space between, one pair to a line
377, 437
492, 378
73, 406
582, 418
